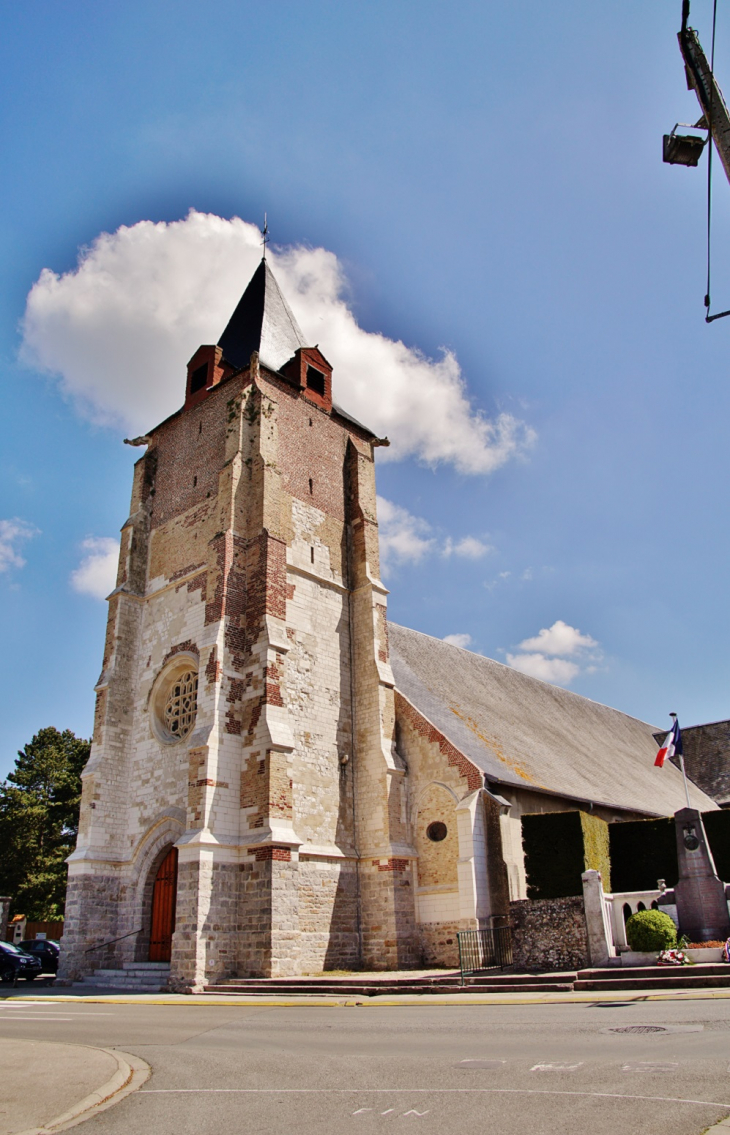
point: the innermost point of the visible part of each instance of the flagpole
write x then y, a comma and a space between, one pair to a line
684, 774
680, 754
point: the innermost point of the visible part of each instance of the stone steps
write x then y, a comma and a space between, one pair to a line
700, 976
384, 986
149, 977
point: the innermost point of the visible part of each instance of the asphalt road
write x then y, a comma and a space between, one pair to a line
431, 1068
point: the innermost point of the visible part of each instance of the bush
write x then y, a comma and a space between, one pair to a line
649, 930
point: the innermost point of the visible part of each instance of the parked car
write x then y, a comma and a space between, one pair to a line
46, 949
15, 963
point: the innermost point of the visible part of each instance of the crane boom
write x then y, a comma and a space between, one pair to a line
701, 80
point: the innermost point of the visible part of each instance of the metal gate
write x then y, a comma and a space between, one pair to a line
484, 949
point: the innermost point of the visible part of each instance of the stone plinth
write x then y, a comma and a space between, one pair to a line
700, 894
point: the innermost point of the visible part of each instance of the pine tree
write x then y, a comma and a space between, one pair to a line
39, 816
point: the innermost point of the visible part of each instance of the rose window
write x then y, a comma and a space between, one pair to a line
181, 705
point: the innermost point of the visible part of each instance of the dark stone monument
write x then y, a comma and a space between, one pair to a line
700, 895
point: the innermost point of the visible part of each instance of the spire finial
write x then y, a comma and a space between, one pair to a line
265, 235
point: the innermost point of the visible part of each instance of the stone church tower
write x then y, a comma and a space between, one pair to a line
244, 808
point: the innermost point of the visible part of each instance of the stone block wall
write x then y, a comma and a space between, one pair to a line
328, 915
100, 894
439, 944
549, 935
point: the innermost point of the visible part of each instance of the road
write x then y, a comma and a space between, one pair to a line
431, 1068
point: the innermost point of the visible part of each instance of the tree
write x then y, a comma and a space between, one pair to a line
39, 818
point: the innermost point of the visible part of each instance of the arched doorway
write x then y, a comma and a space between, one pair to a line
164, 895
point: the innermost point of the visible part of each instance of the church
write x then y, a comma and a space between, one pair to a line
281, 781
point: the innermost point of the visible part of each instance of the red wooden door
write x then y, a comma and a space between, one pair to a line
164, 895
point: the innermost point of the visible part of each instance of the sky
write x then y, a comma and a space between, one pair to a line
469, 212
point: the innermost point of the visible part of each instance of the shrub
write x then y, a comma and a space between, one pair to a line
649, 930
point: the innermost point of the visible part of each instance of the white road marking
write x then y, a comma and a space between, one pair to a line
420, 1114
388, 1112
651, 1066
725, 1105
558, 1066
17, 1017
361, 1110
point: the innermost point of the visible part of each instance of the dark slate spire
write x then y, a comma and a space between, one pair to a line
262, 322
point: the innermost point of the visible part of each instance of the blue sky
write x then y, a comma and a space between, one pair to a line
487, 182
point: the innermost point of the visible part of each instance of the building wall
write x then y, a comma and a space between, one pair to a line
451, 878
251, 551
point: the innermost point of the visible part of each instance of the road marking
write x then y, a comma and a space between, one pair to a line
426, 1091
16, 1017
558, 1066
391, 1111
651, 1066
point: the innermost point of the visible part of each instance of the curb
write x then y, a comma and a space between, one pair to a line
722, 1127
131, 1074
390, 1001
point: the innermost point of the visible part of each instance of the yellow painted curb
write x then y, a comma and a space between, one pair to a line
390, 1001
131, 1074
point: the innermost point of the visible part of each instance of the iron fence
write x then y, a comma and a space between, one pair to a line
484, 949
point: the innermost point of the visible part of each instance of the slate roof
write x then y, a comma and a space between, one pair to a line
263, 322
529, 734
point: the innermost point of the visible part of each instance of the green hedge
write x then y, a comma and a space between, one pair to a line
559, 847
643, 851
717, 829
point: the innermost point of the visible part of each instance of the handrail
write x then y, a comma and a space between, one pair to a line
100, 945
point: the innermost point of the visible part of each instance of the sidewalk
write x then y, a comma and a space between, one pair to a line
45, 1086
102, 996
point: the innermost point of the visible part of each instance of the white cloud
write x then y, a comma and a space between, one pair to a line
469, 547
119, 329
12, 533
556, 670
96, 575
560, 638
546, 654
462, 640
403, 537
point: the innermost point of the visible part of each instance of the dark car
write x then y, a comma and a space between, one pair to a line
45, 949
15, 963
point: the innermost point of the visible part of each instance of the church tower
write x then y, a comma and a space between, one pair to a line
244, 808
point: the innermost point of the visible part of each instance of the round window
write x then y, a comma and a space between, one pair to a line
175, 701
181, 705
437, 831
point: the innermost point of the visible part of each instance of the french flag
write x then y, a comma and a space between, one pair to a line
672, 745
